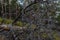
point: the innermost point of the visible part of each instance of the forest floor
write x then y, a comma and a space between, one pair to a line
23, 33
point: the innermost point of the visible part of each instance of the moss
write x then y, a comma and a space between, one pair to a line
56, 36
44, 35
19, 23
35, 34
33, 26
27, 24
7, 21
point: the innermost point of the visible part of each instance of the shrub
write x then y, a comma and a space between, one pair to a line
19, 23
44, 35
56, 36
7, 21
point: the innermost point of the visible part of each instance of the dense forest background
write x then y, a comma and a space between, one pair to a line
11, 9
30, 19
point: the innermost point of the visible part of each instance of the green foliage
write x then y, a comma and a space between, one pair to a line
13, 1
58, 9
33, 26
19, 23
7, 21
44, 35
56, 36
35, 34
58, 18
35, 6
